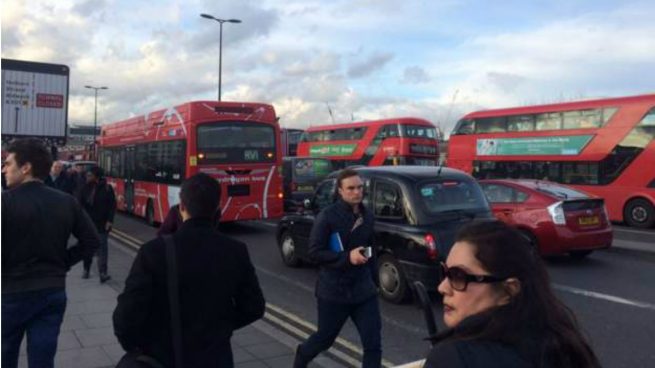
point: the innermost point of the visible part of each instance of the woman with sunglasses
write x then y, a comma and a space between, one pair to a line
500, 309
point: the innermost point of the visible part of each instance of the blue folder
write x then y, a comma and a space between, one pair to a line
335, 243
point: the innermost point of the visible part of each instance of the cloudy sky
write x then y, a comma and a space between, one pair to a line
366, 59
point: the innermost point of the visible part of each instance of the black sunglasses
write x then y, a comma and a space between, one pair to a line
459, 279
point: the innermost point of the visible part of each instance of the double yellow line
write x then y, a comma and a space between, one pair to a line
343, 350
126, 239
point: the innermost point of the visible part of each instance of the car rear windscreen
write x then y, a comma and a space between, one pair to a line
448, 195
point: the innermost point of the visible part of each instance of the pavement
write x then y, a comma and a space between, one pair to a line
87, 337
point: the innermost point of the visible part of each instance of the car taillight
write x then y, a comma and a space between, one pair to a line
556, 211
431, 245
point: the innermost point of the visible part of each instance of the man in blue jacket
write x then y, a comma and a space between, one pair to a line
36, 224
341, 243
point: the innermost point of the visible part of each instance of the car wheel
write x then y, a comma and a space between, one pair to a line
639, 213
288, 250
150, 214
580, 254
393, 283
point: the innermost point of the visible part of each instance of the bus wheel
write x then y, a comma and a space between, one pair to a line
393, 283
150, 213
288, 250
639, 213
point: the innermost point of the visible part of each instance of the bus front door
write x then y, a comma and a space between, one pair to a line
130, 167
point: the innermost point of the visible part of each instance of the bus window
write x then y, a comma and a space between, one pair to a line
581, 119
520, 123
549, 121
491, 125
417, 131
464, 127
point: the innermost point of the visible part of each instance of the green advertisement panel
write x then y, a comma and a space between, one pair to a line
562, 145
332, 150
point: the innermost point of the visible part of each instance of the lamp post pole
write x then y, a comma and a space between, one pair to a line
220, 46
95, 118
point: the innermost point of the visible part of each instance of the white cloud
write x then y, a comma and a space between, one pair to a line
368, 59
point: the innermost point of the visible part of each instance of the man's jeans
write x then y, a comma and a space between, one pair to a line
332, 317
39, 313
102, 255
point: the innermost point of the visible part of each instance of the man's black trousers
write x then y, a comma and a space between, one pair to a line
331, 318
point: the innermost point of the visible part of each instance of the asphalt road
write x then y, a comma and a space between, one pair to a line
612, 293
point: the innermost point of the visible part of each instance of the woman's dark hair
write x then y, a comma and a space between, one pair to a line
32, 150
201, 195
505, 252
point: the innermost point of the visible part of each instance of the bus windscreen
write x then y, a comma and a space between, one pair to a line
236, 142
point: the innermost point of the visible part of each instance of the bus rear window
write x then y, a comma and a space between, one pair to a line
233, 141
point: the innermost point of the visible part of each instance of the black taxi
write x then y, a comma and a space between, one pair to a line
418, 211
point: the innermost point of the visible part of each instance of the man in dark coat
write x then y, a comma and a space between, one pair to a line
59, 179
347, 280
98, 199
218, 288
36, 224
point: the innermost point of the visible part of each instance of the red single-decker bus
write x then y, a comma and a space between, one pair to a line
147, 157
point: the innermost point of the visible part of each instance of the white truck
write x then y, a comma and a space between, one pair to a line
35, 101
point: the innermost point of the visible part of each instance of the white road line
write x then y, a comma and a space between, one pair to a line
634, 231
606, 297
286, 279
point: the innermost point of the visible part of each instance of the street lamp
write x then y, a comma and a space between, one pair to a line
220, 45
95, 117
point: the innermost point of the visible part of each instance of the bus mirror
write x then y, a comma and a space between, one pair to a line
307, 203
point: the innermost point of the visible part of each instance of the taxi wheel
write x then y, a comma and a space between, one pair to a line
639, 213
288, 250
393, 283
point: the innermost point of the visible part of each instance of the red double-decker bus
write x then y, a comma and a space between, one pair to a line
604, 147
400, 141
147, 157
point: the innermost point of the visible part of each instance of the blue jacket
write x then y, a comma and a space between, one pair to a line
339, 280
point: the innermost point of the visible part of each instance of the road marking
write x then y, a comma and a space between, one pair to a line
636, 231
310, 289
607, 297
127, 236
285, 279
343, 342
280, 323
125, 241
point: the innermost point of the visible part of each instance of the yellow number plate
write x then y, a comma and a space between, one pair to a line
593, 220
